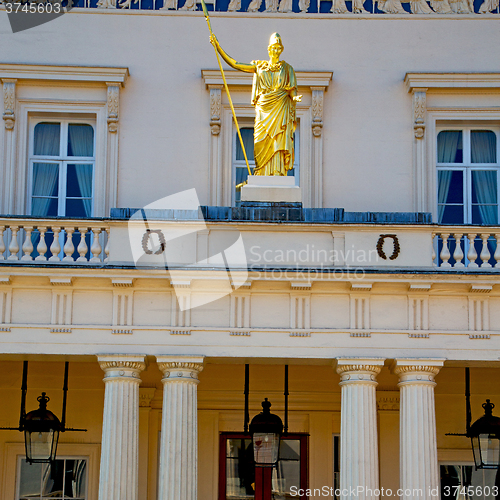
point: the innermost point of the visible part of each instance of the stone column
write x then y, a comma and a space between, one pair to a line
358, 427
178, 476
120, 438
419, 474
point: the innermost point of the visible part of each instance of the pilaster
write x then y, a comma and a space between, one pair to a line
7, 177
178, 472
119, 473
358, 426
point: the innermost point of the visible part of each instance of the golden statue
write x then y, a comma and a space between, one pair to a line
274, 95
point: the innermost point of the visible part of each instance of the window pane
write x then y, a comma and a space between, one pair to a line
450, 186
47, 139
52, 479
240, 470
76, 478
80, 140
483, 146
484, 197
450, 149
45, 179
45, 189
79, 181
78, 207
247, 136
451, 214
30, 481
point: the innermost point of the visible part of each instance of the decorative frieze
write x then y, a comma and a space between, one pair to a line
146, 394
360, 312
123, 307
239, 315
418, 313
5, 306
181, 310
9, 102
62, 307
479, 314
300, 312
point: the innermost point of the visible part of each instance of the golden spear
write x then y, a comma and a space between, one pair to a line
205, 12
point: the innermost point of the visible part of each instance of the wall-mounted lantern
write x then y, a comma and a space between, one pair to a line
41, 427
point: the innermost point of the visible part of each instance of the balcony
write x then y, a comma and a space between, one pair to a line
202, 241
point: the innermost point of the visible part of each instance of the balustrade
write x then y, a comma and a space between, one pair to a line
44, 241
480, 249
83, 242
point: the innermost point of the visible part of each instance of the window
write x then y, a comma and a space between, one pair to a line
462, 482
467, 180
63, 479
237, 472
61, 165
467, 169
240, 170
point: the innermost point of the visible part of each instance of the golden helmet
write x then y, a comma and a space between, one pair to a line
275, 39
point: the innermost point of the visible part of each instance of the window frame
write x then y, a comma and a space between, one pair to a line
59, 457
467, 167
250, 123
62, 160
304, 451
439, 119
89, 451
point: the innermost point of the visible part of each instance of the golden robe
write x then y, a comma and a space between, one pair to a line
275, 118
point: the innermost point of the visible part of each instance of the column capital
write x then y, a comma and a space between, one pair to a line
417, 371
361, 370
179, 368
122, 366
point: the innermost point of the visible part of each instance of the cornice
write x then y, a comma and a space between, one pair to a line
100, 74
238, 78
430, 81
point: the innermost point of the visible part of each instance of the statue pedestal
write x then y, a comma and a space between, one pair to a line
271, 189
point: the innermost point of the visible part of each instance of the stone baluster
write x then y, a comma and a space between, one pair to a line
417, 430
27, 245
497, 251
485, 252
179, 429
82, 246
472, 254
106, 248
14, 245
458, 254
445, 251
96, 248
119, 473
41, 248
55, 248
358, 426
2, 243
69, 248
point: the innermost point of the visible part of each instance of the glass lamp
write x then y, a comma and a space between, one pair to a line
41, 433
485, 437
266, 429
